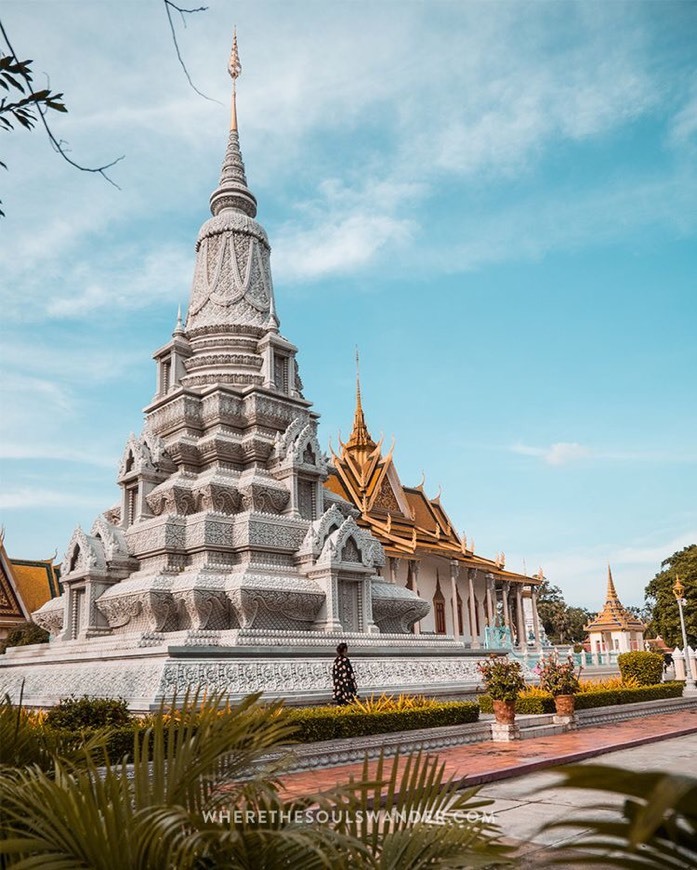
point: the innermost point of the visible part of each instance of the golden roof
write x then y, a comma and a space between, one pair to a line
404, 519
25, 585
614, 616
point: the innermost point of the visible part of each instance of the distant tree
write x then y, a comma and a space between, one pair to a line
577, 618
562, 624
661, 600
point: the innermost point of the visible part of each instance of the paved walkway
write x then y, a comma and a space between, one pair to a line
522, 805
477, 763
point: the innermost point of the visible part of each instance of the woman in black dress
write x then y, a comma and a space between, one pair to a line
345, 689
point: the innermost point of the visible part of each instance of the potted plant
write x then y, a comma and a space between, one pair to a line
560, 680
503, 679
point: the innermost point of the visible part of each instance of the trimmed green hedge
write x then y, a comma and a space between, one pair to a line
589, 700
334, 723
533, 705
313, 724
646, 667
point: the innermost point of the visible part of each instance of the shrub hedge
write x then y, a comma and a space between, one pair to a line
646, 667
74, 714
529, 705
588, 700
332, 723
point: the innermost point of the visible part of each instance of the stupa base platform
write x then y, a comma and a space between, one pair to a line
147, 668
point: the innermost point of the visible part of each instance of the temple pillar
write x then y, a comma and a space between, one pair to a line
414, 573
490, 610
520, 616
393, 564
472, 609
535, 617
454, 571
505, 586
481, 617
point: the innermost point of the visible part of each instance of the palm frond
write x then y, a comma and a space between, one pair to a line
410, 816
653, 827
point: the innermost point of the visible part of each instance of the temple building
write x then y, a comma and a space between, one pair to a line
615, 629
25, 586
474, 599
236, 557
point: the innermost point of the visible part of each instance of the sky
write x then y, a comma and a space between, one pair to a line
496, 202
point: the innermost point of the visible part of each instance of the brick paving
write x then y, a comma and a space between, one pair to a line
477, 763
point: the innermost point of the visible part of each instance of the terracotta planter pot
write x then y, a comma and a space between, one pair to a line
504, 712
564, 704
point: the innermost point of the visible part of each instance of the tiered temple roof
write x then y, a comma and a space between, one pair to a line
614, 616
24, 586
404, 519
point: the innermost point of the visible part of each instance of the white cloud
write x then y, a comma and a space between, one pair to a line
684, 124
23, 498
343, 229
565, 452
560, 453
160, 274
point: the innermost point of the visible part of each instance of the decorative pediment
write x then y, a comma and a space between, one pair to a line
84, 555
299, 446
350, 543
142, 454
319, 530
136, 458
113, 539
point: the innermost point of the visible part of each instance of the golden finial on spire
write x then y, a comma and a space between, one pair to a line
234, 67
360, 437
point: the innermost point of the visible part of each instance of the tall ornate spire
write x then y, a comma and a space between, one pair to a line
611, 591
360, 437
232, 191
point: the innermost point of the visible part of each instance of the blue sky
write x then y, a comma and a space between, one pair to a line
497, 202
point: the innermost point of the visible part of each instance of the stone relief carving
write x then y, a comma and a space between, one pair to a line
350, 552
112, 538
50, 616
396, 609
266, 497
370, 552
120, 611
306, 676
205, 609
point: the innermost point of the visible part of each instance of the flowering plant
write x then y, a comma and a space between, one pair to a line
558, 678
503, 677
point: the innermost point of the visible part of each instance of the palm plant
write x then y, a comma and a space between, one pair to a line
655, 828
199, 795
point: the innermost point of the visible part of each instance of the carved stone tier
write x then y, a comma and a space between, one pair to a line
395, 608
291, 665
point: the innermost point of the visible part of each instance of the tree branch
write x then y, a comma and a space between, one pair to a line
57, 145
169, 6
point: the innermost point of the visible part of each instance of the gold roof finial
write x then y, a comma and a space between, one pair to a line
360, 437
611, 591
234, 67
